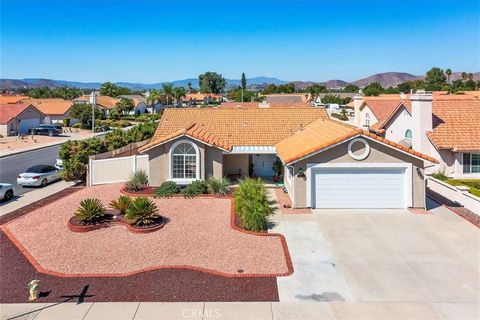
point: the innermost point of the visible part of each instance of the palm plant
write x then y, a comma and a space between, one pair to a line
448, 73
137, 181
251, 203
90, 211
141, 212
121, 204
154, 97
167, 90
179, 93
218, 186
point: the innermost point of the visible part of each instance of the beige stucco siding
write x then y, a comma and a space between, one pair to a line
233, 162
379, 153
213, 162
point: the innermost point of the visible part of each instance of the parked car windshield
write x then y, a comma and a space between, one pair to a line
38, 169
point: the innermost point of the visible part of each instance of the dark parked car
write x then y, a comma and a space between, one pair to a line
46, 129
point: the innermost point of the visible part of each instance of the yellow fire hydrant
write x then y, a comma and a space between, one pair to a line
34, 289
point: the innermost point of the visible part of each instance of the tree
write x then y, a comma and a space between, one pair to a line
179, 93
124, 106
244, 82
167, 91
435, 78
315, 89
211, 82
236, 95
154, 97
271, 88
109, 89
373, 89
350, 88
464, 76
190, 87
83, 112
448, 73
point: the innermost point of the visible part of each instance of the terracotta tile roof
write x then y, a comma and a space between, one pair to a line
264, 105
234, 127
8, 111
321, 134
200, 96
456, 125
287, 98
51, 106
102, 101
381, 108
12, 99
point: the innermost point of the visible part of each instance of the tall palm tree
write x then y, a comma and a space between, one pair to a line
179, 92
464, 75
167, 90
154, 97
470, 76
448, 72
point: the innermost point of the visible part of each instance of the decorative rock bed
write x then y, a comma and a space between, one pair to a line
75, 225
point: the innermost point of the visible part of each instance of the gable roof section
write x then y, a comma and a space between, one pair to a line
9, 111
51, 106
322, 134
456, 125
265, 105
381, 108
226, 128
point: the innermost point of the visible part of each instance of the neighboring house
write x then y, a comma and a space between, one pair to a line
55, 110
192, 99
17, 118
446, 127
105, 103
4, 99
264, 105
287, 98
140, 103
327, 164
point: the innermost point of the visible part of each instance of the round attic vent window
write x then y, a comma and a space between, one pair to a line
362, 155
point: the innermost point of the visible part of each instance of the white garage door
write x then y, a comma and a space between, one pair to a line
26, 124
359, 188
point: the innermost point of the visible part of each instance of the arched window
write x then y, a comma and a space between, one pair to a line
408, 135
184, 161
367, 120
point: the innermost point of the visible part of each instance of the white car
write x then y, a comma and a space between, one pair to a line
6, 191
39, 175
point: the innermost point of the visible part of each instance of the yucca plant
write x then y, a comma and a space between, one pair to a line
90, 211
121, 204
137, 181
218, 186
141, 212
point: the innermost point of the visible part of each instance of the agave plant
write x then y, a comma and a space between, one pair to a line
141, 212
90, 211
121, 204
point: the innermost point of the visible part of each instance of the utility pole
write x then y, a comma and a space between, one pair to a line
93, 102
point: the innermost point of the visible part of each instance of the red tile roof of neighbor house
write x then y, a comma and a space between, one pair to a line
200, 96
234, 127
12, 99
324, 133
102, 101
8, 111
264, 105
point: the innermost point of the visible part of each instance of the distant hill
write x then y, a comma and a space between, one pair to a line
387, 79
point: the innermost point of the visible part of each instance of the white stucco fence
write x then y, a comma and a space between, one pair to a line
455, 194
114, 170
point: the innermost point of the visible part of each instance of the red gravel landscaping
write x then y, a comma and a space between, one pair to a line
168, 285
197, 235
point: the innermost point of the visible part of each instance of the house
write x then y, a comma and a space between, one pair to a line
17, 118
264, 105
191, 99
140, 103
55, 110
5, 99
287, 98
443, 126
326, 164
105, 103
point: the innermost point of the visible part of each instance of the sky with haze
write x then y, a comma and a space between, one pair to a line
153, 41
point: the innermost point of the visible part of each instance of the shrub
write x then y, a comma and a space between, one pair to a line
121, 204
78, 125
141, 212
194, 189
90, 211
251, 204
440, 176
166, 190
120, 124
218, 186
137, 181
66, 122
339, 116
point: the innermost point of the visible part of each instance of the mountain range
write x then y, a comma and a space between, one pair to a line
386, 79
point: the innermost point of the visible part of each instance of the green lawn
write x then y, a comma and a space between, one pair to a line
473, 184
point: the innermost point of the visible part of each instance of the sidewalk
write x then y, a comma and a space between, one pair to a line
238, 310
33, 196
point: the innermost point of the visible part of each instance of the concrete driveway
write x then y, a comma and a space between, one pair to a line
382, 256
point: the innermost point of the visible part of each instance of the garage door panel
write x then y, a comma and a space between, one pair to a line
358, 188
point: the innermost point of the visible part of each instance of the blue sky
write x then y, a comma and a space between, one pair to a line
153, 41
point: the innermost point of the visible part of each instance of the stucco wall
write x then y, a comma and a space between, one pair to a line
4, 129
378, 154
233, 162
398, 125
158, 161
213, 162
363, 113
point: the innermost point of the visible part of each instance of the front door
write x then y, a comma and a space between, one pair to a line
263, 164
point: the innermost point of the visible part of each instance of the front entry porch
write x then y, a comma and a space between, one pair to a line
244, 165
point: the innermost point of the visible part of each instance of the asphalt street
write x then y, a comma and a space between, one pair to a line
11, 166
